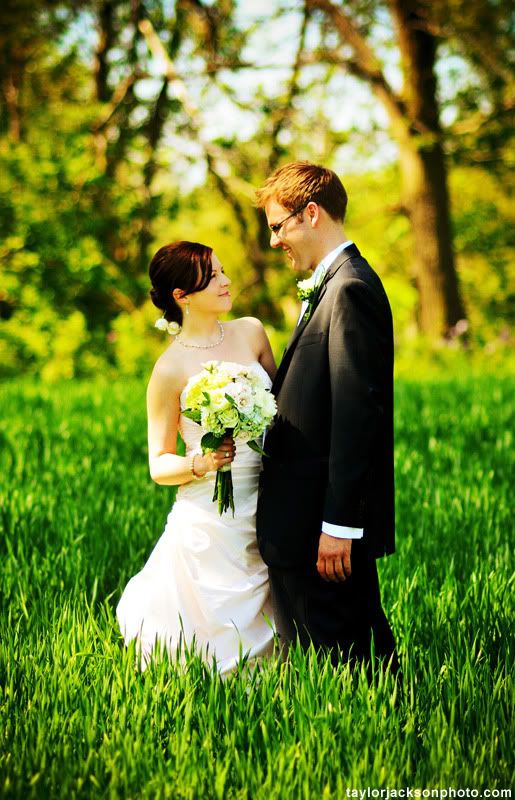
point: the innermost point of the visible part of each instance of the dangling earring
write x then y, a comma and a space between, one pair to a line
187, 310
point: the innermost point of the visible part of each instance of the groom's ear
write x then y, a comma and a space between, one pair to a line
313, 211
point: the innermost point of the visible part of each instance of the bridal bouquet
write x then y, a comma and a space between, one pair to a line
227, 398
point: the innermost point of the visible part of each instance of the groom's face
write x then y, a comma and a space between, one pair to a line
292, 233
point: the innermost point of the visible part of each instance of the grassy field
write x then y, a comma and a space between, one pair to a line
79, 516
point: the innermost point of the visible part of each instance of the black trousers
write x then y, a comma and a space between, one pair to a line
337, 618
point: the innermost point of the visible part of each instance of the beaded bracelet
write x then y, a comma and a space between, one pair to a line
192, 467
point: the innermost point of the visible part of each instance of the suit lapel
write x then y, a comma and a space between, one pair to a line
288, 352
349, 252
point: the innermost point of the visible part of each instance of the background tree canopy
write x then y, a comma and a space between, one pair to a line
125, 125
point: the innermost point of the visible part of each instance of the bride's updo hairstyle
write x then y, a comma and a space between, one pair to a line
179, 265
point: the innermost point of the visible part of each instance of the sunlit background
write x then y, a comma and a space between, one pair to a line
125, 125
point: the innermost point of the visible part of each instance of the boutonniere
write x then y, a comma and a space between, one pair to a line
308, 290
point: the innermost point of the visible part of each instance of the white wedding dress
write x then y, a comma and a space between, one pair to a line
205, 582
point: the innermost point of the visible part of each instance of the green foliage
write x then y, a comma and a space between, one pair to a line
480, 32
79, 516
89, 186
135, 342
59, 288
484, 239
417, 358
71, 230
53, 267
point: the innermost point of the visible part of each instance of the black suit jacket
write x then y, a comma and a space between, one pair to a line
330, 447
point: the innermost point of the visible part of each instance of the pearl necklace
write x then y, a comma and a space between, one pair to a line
204, 346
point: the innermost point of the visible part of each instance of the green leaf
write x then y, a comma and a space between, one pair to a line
207, 399
211, 442
254, 446
192, 414
231, 400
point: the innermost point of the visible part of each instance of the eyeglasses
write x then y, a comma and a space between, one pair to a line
276, 226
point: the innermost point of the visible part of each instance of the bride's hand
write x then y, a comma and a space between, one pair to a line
219, 458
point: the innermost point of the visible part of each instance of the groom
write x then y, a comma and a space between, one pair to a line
326, 502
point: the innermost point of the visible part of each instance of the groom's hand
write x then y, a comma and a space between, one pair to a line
334, 558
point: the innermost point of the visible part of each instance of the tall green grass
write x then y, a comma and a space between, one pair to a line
79, 516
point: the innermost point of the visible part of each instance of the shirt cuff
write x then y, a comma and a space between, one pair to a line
341, 531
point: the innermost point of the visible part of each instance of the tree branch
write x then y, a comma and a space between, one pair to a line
364, 63
283, 116
106, 40
118, 98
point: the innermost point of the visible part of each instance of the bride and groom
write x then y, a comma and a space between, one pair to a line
297, 562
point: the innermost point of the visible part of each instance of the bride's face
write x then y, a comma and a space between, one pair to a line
216, 297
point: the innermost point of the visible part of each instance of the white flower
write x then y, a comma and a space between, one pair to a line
217, 400
162, 324
307, 284
241, 394
233, 370
306, 288
266, 403
254, 377
173, 328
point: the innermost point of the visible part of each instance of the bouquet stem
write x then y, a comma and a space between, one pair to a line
224, 494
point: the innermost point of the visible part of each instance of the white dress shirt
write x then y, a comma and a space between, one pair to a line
338, 531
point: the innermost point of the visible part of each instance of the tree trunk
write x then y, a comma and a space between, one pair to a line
11, 87
426, 201
106, 39
147, 211
424, 173
414, 121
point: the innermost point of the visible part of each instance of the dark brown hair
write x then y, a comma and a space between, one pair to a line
179, 265
301, 182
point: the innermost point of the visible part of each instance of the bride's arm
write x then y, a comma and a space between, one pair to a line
266, 356
163, 409
260, 344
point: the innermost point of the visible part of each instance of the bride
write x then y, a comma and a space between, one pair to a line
204, 583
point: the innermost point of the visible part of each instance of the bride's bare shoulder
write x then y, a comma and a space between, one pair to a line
250, 327
253, 332
251, 323
169, 373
